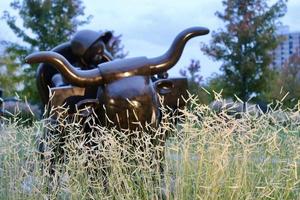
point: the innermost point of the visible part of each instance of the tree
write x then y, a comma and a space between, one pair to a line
216, 83
286, 85
115, 47
9, 76
192, 73
46, 23
244, 45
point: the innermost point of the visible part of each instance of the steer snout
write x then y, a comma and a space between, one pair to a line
131, 102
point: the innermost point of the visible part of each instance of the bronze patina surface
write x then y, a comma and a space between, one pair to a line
124, 87
80, 52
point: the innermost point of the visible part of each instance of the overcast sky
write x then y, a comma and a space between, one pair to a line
148, 27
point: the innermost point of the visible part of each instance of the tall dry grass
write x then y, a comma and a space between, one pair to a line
207, 155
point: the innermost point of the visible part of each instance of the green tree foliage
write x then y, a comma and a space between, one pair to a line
216, 83
192, 73
45, 24
9, 75
285, 86
244, 45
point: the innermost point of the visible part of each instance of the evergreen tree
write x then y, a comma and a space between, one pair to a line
245, 43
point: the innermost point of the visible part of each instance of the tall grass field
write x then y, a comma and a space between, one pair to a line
204, 155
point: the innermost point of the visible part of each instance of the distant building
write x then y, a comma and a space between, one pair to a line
285, 49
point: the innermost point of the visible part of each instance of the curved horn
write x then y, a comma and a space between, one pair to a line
169, 59
143, 66
70, 73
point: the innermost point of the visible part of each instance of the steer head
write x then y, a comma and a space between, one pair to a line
128, 94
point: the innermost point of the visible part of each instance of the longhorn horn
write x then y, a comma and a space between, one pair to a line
144, 66
169, 59
70, 73
109, 71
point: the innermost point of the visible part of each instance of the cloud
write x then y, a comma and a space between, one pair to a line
292, 16
157, 21
148, 27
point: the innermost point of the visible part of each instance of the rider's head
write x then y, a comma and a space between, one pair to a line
90, 46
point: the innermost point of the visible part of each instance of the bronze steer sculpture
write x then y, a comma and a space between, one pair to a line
127, 92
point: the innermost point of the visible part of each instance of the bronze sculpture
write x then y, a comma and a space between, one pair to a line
126, 92
85, 50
